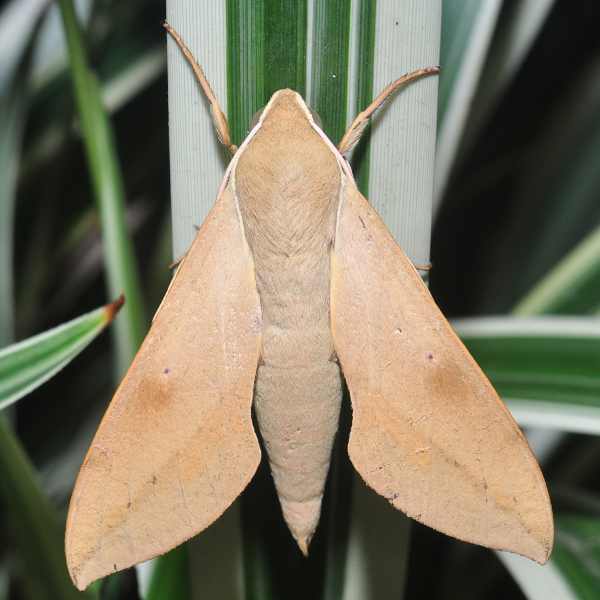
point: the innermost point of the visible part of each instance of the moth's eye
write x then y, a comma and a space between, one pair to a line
255, 118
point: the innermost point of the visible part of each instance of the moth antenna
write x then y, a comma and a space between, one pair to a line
218, 116
355, 131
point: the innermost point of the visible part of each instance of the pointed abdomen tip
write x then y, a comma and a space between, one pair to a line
303, 544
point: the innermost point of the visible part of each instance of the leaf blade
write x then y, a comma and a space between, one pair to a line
26, 365
107, 182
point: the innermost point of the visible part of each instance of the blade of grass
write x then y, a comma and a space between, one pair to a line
571, 285
517, 30
108, 190
38, 531
573, 572
554, 417
362, 57
17, 36
568, 148
330, 61
107, 183
467, 30
17, 22
28, 364
549, 359
553, 360
34, 523
378, 548
538, 582
171, 577
4, 583
117, 90
577, 554
284, 47
245, 63
545, 368
197, 159
11, 129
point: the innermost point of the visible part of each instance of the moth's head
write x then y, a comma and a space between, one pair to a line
285, 106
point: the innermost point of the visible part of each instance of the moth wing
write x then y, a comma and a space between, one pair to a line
176, 445
429, 432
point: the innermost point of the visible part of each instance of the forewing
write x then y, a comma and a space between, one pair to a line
176, 445
429, 432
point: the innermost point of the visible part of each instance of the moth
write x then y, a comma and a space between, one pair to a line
292, 283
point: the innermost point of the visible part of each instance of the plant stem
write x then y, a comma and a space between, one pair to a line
107, 182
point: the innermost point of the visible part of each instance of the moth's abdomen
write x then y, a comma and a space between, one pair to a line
287, 183
297, 412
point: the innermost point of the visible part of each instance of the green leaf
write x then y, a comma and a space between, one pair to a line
36, 529
552, 359
571, 286
546, 368
11, 128
122, 85
365, 91
329, 90
284, 47
108, 190
17, 24
467, 29
18, 34
245, 64
266, 45
516, 31
171, 577
577, 554
26, 365
558, 255
38, 532
379, 537
573, 572
538, 582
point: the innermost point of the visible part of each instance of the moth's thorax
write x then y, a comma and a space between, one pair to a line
287, 182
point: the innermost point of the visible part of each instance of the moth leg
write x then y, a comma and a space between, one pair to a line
426, 268
175, 264
218, 116
355, 131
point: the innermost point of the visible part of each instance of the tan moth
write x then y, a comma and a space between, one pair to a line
293, 282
